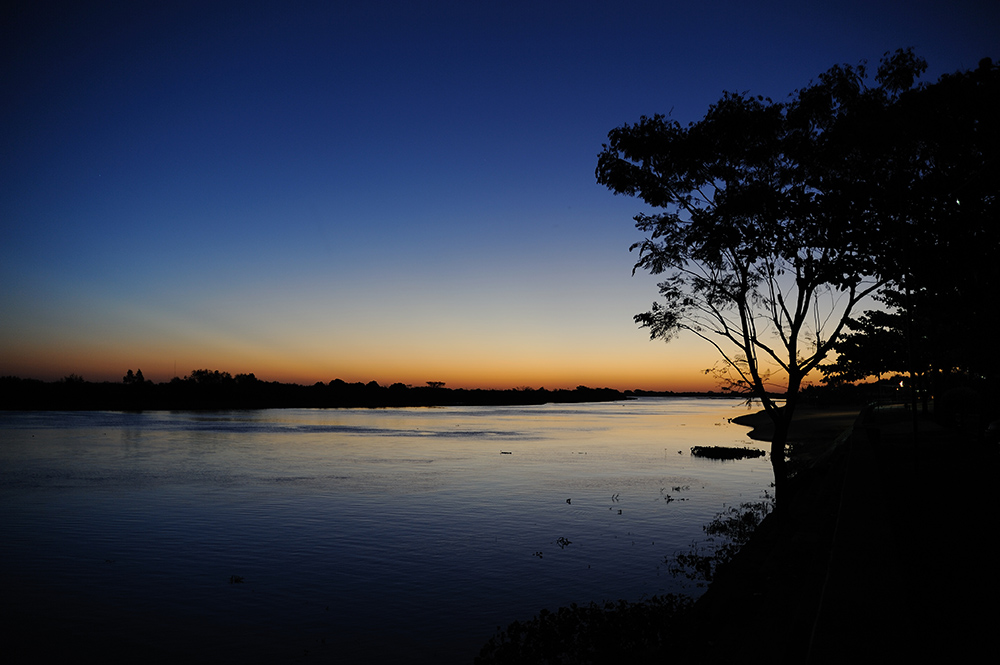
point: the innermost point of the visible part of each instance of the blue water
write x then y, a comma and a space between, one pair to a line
392, 535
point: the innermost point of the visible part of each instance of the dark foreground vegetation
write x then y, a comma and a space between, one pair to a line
208, 389
595, 633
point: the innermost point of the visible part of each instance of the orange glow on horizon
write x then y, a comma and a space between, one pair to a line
95, 369
462, 362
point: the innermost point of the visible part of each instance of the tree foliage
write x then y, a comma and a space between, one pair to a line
765, 228
934, 168
131, 379
875, 345
207, 377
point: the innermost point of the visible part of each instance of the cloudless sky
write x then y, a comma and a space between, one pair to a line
389, 191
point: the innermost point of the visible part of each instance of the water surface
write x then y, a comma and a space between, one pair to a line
389, 534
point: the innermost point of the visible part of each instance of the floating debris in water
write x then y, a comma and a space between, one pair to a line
562, 542
726, 452
236, 579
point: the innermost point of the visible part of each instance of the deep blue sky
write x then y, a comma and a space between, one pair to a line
398, 191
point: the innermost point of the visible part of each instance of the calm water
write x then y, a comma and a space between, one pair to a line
399, 535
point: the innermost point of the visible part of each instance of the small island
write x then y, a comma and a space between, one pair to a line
726, 452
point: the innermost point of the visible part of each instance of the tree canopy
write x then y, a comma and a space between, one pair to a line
936, 168
770, 229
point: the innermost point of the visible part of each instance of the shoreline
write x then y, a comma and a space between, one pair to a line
810, 423
860, 562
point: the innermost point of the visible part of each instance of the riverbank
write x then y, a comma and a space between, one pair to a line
884, 551
811, 425
206, 390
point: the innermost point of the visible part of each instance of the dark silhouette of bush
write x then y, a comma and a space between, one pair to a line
214, 389
621, 632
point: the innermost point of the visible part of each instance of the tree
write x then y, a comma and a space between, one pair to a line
765, 252
918, 333
875, 345
207, 377
133, 379
246, 379
935, 162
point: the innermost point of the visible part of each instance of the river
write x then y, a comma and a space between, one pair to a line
389, 535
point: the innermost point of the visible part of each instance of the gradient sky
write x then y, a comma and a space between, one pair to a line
389, 191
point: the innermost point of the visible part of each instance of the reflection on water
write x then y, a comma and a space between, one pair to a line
390, 534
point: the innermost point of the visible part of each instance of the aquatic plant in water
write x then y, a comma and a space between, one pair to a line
728, 532
726, 452
595, 633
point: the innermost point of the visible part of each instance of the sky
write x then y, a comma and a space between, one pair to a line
390, 191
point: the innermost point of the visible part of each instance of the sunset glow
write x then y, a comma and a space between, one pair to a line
403, 192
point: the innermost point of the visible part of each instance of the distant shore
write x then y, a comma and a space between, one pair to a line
220, 391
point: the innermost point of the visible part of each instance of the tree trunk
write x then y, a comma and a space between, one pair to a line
782, 420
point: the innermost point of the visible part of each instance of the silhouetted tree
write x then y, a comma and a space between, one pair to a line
133, 379
875, 345
207, 377
933, 169
763, 257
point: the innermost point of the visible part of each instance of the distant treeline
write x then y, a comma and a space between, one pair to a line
208, 389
